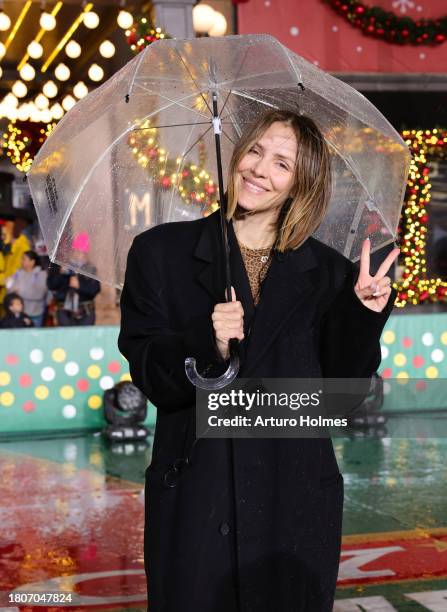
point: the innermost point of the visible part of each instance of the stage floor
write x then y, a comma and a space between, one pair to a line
71, 517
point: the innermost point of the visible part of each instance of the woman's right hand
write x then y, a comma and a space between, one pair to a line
228, 322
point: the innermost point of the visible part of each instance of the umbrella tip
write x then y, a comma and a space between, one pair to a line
127, 97
25, 178
301, 86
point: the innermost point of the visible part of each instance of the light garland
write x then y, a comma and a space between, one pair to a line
143, 33
23, 140
193, 182
415, 287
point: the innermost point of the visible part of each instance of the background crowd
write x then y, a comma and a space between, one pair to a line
37, 293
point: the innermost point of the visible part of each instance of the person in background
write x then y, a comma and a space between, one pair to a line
15, 316
13, 244
74, 293
30, 282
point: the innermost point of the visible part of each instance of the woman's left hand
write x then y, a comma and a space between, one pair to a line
374, 291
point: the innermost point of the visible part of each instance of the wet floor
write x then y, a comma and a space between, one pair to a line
71, 520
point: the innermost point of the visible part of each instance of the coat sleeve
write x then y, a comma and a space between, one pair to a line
88, 287
350, 334
156, 353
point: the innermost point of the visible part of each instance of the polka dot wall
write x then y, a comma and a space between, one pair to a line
55, 378
414, 355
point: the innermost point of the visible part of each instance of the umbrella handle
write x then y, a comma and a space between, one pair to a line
210, 384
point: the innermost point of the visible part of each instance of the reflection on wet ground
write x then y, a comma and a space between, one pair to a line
71, 516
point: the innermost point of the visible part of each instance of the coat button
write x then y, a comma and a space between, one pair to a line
224, 529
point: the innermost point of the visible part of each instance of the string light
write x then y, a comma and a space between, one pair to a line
47, 21
124, 20
35, 49
50, 89
107, 49
415, 286
27, 72
73, 49
23, 140
5, 21
62, 72
91, 20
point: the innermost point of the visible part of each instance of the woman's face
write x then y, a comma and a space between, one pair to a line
267, 170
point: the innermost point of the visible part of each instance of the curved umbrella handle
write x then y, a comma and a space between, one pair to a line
211, 384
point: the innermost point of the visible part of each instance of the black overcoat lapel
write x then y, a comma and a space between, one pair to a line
287, 287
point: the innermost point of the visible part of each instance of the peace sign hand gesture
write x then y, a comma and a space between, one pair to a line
374, 291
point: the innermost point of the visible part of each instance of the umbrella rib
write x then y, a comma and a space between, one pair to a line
196, 141
165, 97
193, 79
95, 165
225, 134
236, 79
157, 127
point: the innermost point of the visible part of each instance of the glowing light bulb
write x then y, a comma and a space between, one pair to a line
219, 26
107, 49
35, 49
124, 20
62, 72
50, 89
80, 90
27, 72
91, 20
57, 112
41, 102
95, 72
47, 21
73, 49
19, 89
5, 22
203, 18
68, 102
2, 50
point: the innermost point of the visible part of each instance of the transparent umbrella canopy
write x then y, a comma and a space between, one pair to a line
140, 150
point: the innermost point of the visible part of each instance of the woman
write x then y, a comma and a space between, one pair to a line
30, 282
249, 525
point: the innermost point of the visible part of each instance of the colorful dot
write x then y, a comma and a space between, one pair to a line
407, 342
69, 411
444, 337
431, 372
400, 359
12, 359
114, 367
41, 392
94, 402
83, 384
66, 392
93, 371
389, 336
48, 374
58, 355
7, 398
384, 350
96, 353
418, 361
106, 382
420, 385
29, 406
402, 377
427, 339
71, 368
387, 373
25, 380
437, 355
294, 31
5, 379
36, 356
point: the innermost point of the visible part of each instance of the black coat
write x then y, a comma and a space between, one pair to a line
253, 521
60, 283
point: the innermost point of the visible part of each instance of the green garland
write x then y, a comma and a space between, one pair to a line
143, 33
385, 25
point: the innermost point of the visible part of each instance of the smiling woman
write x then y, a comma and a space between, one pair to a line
248, 524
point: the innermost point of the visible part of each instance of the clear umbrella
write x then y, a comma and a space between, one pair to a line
147, 147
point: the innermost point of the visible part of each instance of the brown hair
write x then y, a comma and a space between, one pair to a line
303, 211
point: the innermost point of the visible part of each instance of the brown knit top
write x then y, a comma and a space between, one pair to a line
257, 262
